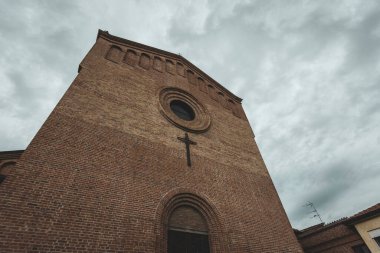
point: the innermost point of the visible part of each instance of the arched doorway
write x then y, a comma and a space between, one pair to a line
184, 197
187, 231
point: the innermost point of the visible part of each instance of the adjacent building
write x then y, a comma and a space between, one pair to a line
359, 233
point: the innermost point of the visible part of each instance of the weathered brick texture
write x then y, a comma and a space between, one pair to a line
106, 169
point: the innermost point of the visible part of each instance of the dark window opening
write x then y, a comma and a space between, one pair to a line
377, 240
361, 249
182, 110
185, 242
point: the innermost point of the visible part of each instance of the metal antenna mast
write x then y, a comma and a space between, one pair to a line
314, 210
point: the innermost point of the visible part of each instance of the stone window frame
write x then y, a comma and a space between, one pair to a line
202, 120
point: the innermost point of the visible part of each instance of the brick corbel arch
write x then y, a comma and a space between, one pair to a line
186, 197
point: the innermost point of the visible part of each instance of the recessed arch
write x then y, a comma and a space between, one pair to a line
232, 106
130, 57
114, 54
221, 99
191, 76
6, 164
212, 92
180, 69
157, 64
5, 169
181, 197
170, 67
144, 61
202, 85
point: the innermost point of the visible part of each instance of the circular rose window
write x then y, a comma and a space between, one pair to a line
183, 110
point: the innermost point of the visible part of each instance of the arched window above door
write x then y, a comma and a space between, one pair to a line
187, 231
187, 218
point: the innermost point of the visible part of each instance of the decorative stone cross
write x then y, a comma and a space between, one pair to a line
187, 142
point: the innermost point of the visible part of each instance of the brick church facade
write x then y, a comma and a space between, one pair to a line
143, 153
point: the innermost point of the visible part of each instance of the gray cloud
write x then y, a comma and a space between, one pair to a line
309, 73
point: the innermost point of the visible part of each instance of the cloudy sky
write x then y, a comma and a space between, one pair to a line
308, 71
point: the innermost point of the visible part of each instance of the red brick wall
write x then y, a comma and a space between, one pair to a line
106, 168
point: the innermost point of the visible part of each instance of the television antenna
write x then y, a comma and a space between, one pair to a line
314, 211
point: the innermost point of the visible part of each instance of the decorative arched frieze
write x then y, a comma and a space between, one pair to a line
212, 92
191, 77
114, 54
229, 104
202, 85
131, 57
157, 64
180, 69
170, 67
234, 107
222, 100
186, 197
144, 61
